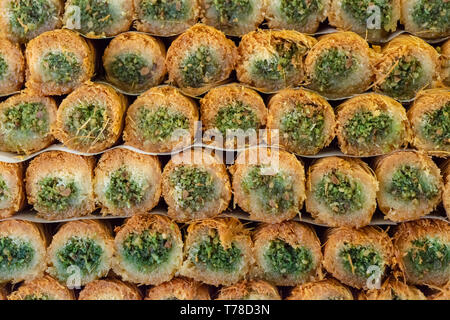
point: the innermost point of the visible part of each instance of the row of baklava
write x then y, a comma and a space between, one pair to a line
91, 119
24, 20
149, 250
267, 184
337, 65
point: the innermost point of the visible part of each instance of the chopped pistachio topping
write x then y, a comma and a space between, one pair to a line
236, 115
358, 258
56, 194
436, 126
332, 67
87, 121
159, 126
37, 296
122, 190
358, 10
284, 259
131, 69
298, 11
15, 254
211, 254
26, 118
167, 10
340, 192
232, 11
432, 14
147, 250
303, 126
275, 192
3, 67
409, 183
61, 67
29, 15
95, 15
200, 67
428, 255
84, 253
366, 128
194, 187
404, 79
4, 190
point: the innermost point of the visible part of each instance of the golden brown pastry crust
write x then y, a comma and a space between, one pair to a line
327, 289
445, 65
31, 144
442, 294
295, 234
153, 223
425, 102
230, 231
59, 163
171, 98
195, 36
393, 289
44, 286
3, 293
408, 210
249, 290
288, 99
376, 104
180, 289
407, 232
110, 289
446, 191
58, 40
143, 166
358, 170
263, 156
115, 107
372, 236
203, 159
12, 175
12, 79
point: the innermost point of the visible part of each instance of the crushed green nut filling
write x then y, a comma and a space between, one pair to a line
358, 258
194, 187
303, 126
358, 10
298, 11
147, 251
37, 296
285, 57
332, 67
404, 79
131, 69
410, 184
432, 14
4, 190
436, 126
3, 67
284, 259
87, 122
234, 116
83, 253
168, 10
429, 255
275, 191
95, 15
56, 194
15, 254
232, 11
29, 15
200, 67
26, 118
123, 191
159, 126
340, 192
211, 254
366, 128
61, 67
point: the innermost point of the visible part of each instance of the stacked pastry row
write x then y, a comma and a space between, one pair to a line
336, 65
94, 18
270, 185
149, 250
